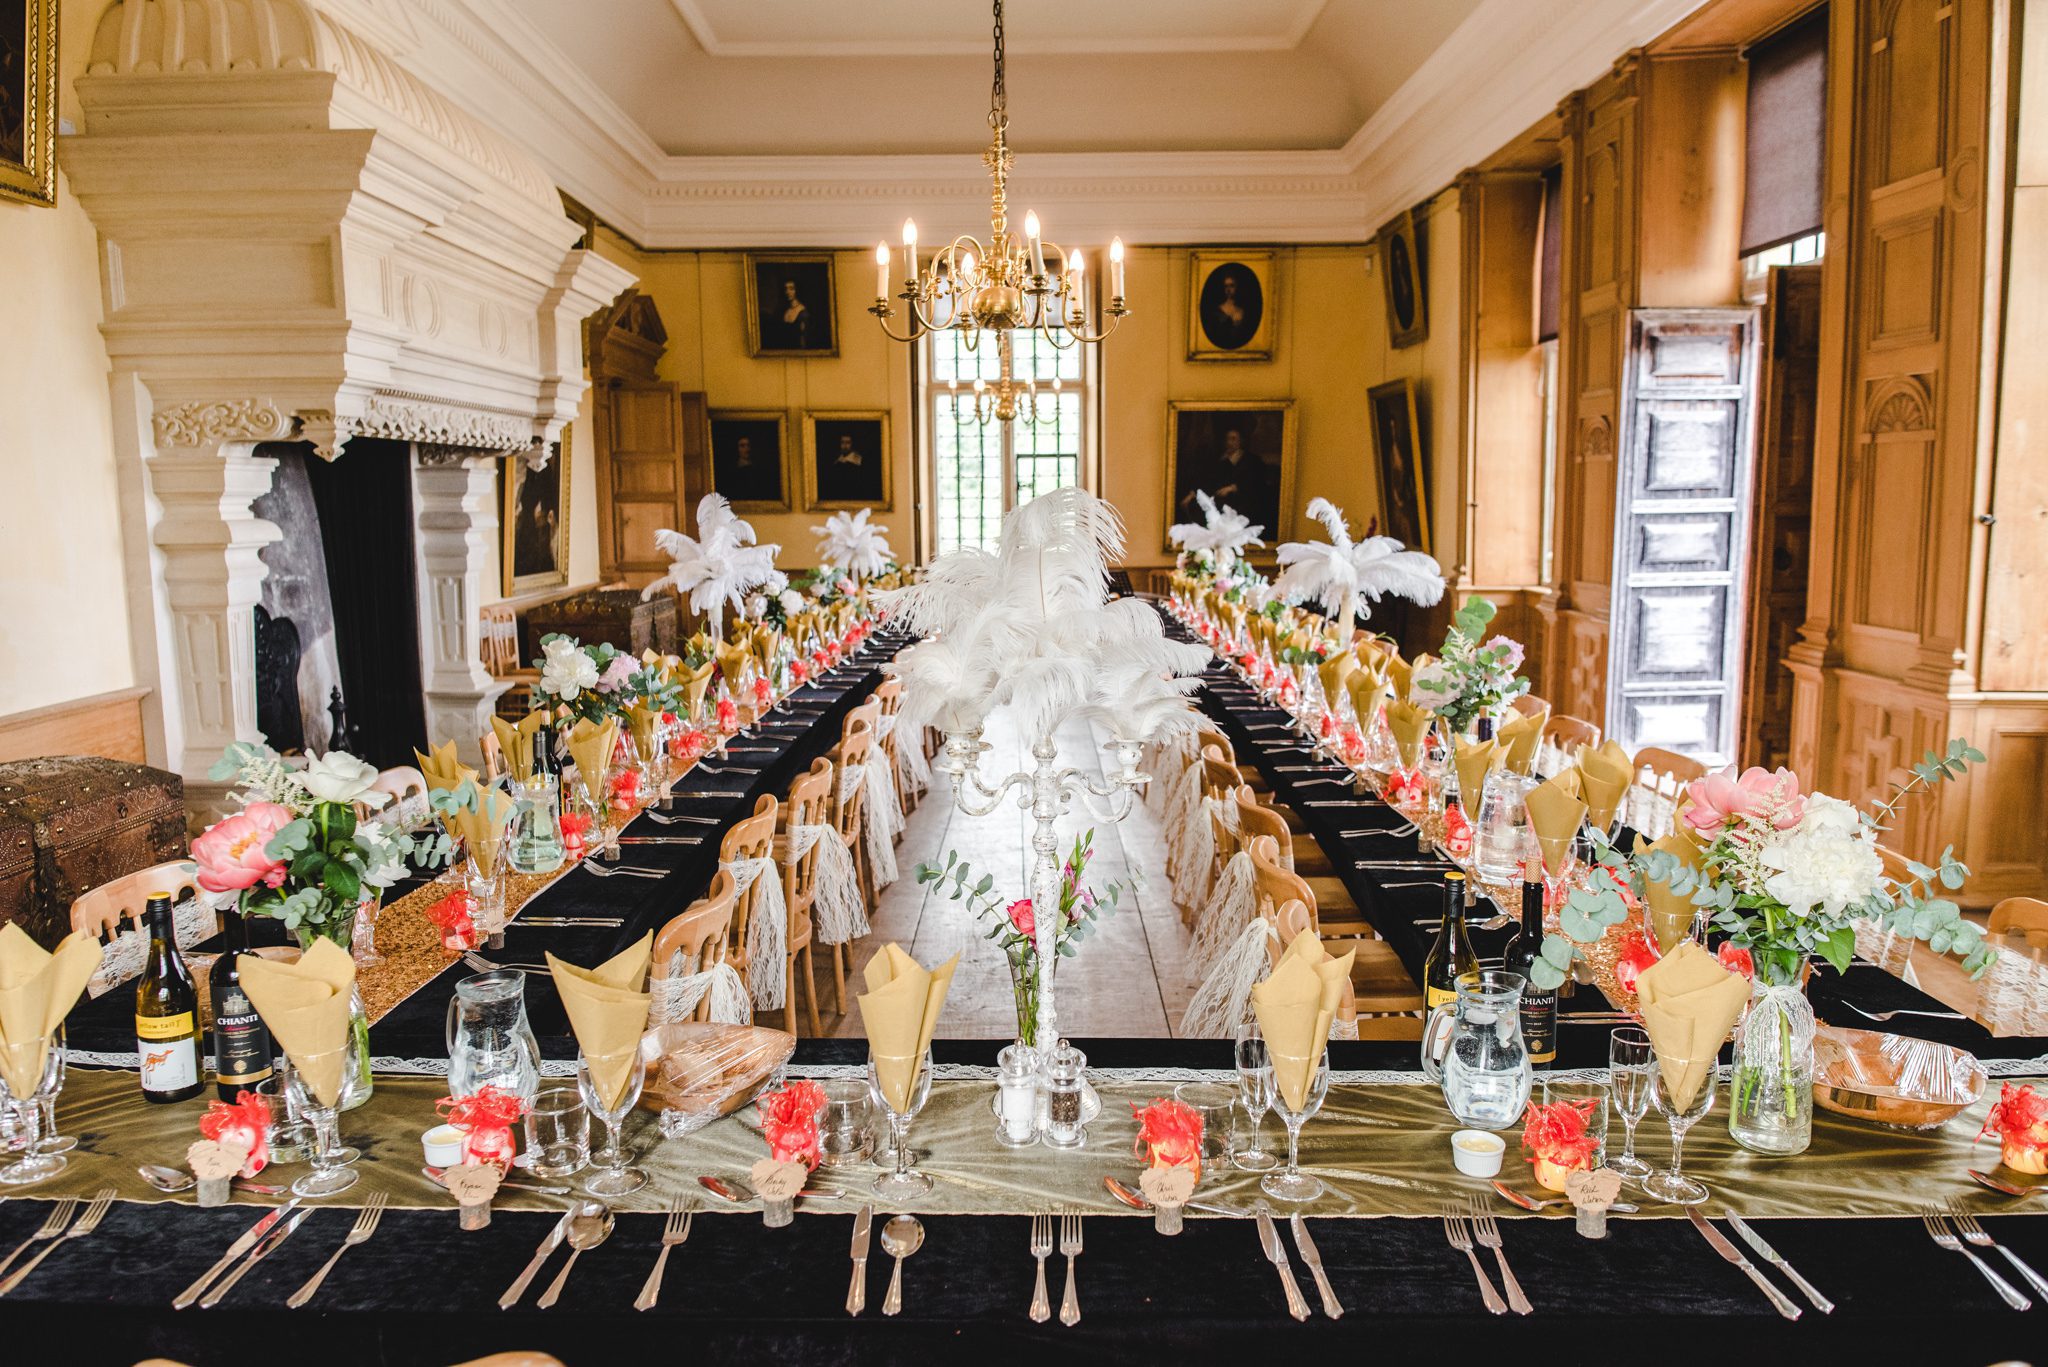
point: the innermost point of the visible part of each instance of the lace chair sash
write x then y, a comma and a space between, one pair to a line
1223, 1001
880, 817
837, 913
767, 929
1231, 905
677, 996
192, 920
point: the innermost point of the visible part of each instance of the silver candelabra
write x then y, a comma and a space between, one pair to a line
1048, 792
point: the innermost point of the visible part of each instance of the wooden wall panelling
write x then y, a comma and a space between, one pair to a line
107, 724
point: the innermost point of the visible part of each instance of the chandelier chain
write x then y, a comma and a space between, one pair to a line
999, 95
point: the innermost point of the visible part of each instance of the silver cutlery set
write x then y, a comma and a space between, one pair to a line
1311, 1257
1041, 1246
261, 1240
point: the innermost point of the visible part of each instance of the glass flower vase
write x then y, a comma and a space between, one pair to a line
1771, 1098
355, 1082
1024, 987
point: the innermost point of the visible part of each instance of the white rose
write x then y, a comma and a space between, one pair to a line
791, 600
757, 605
338, 776
567, 670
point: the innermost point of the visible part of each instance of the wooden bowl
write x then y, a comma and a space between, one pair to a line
1891, 1080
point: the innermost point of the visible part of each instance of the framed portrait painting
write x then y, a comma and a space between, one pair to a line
791, 305
750, 458
28, 100
846, 461
1404, 475
1230, 306
1401, 271
535, 553
1240, 451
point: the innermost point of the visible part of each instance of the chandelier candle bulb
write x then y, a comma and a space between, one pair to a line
882, 273
1116, 268
1037, 245
909, 254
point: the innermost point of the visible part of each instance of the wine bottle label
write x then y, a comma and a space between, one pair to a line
160, 1028
241, 1047
167, 1065
1434, 997
1539, 1025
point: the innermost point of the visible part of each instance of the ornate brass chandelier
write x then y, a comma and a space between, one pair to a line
1010, 285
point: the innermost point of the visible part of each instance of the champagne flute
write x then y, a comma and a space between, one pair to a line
902, 1182
1294, 1184
25, 1114
1630, 1062
50, 1143
1254, 1073
1682, 1113
613, 1176
329, 1175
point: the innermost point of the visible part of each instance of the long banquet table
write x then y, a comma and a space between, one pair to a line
421, 1292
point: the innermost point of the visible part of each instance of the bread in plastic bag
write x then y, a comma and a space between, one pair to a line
698, 1071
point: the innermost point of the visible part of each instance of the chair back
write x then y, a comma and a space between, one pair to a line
493, 753
1220, 777
1569, 733
101, 910
1273, 884
889, 694
751, 837
1255, 820
696, 940
809, 804
857, 746
868, 716
1289, 919
1669, 763
1206, 738
1529, 705
2026, 916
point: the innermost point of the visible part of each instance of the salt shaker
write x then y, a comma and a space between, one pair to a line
1017, 1096
1063, 1085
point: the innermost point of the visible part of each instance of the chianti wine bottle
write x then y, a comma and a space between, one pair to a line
242, 1057
1539, 1004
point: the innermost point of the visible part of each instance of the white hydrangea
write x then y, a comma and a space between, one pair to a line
567, 669
791, 600
1827, 863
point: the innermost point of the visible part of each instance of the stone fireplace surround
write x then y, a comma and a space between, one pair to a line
301, 240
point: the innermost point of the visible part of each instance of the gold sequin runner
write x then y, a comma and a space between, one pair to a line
411, 944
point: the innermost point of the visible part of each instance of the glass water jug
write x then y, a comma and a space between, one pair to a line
1501, 837
490, 1043
534, 842
1474, 1048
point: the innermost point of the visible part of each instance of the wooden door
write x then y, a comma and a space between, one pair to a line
1682, 530
1781, 544
640, 484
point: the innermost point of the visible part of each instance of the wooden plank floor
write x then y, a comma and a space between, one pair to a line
1129, 979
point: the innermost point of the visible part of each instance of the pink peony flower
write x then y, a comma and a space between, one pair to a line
615, 674
1718, 800
230, 853
1020, 915
1513, 658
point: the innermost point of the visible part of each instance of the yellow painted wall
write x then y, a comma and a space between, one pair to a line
63, 602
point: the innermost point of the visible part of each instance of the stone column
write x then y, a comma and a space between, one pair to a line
203, 477
456, 513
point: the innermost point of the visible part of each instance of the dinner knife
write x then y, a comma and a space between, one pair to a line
711, 792
738, 1192
245, 1242
661, 840
1276, 1254
1313, 1256
857, 1291
548, 1245
1772, 1256
263, 1250
1719, 1242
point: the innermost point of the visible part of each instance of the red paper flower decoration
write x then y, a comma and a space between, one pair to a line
764, 693
455, 917
1736, 959
2020, 1120
246, 1122
789, 1122
486, 1118
1555, 1136
1170, 1135
1638, 954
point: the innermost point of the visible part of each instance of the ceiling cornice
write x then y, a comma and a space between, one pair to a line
1501, 70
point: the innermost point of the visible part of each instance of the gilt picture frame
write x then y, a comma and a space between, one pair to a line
28, 100
534, 549
1402, 463
751, 459
791, 305
1240, 451
846, 460
1232, 307
1404, 279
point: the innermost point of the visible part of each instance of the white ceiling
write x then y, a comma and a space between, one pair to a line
901, 28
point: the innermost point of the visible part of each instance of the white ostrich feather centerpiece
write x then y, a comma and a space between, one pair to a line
853, 543
1340, 572
719, 565
1223, 531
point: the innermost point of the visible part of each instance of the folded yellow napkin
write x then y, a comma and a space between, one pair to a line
1669, 913
1519, 737
1604, 779
644, 721
38, 988
900, 1010
1410, 725
482, 828
1475, 760
732, 662
1689, 1003
696, 683
591, 745
763, 646
607, 1009
305, 1004
1336, 673
1368, 694
1400, 675
516, 741
1295, 1005
1556, 811
443, 772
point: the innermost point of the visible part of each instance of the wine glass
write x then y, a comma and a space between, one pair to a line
1672, 1185
1254, 1073
329, 1174
902, 1181
1630, 1063
25, 1114
46, 1098
613, 1176
1294, 1184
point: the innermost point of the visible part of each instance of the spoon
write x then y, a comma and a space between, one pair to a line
901, 1237
1136, 1201
175, 1180
1531, 1203
1985, 1179
589, 1227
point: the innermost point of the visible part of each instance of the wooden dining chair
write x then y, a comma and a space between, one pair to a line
808, 804
1529, 705
751, 837
889, 693
1669, 764
1379, 981
1307, 855
1333, 901
101, 910
1568, 733
698, 938
2026, 916
849, 800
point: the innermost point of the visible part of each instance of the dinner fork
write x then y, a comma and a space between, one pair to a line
52, 1225
1902, 1011
360, 1232
1938, 1231
1973, 1233
673, 1232
676, 818
86, 1224
1041, 1249
483, 965
1488, 1231
1070, 1246
1460, 1239
628, 870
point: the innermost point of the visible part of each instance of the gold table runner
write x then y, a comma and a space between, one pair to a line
1384, 1150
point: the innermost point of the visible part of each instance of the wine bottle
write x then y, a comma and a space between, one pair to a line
1482, 727
1451, 957
166, 1011
1539, 1004
242, 1057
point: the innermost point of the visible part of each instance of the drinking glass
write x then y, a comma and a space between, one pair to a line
843, 1132
1211, 1101
614, 1177
52, 1083
557, 1132
329, 1175
1630, 1062
1294, 1184
1254, 1085
1580, 1094
25, 1113
487, 891
902, 1182
1672, 1185
287, 1138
